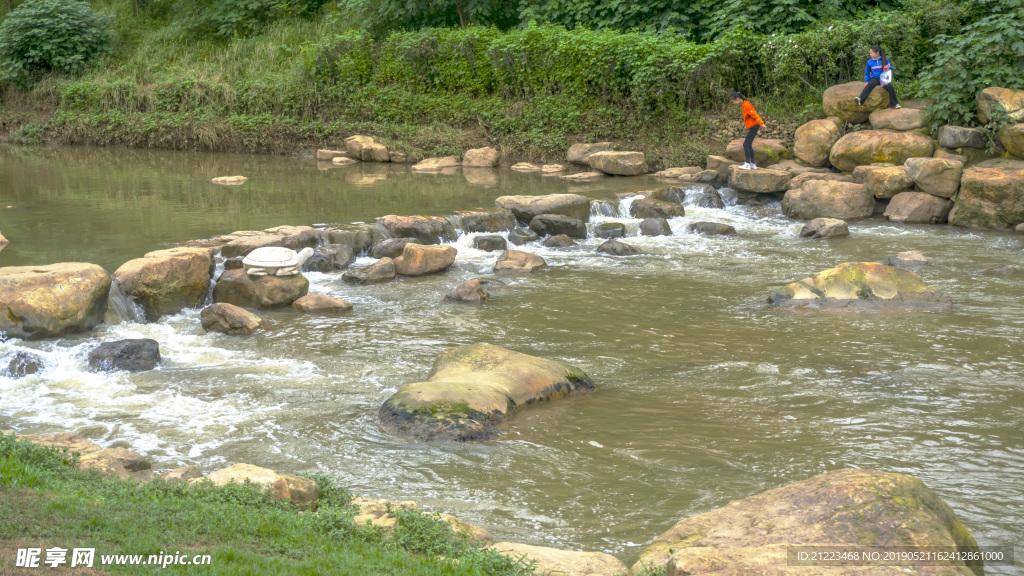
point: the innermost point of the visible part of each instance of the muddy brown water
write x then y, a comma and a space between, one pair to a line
705, 394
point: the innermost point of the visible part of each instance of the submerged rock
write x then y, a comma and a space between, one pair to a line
23, 364
471, 291
166, 282
711, 229
860, 509
45, 301
825, 228
908, 259
515, 261
490, 243
710, 198
860, 285
526, 208
655, 227
610, 230
380, 271
319, 304
1004, 270
521, 236
229, 319
230, 180
650, 208
238, 288
559, 241
132, 355
617, 248
472, 388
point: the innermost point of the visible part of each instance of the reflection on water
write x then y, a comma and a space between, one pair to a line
705, 395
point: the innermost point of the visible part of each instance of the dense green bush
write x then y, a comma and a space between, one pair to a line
42, 36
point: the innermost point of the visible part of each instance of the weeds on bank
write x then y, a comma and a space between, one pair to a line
48, 502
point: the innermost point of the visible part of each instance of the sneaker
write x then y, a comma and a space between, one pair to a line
857, 100
897, 107
745, 166
752, 167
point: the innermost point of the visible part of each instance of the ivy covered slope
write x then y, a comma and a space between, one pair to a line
440, 76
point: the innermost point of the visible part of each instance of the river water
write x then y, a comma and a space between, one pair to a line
705, 395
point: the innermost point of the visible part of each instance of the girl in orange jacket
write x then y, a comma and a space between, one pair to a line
753, 123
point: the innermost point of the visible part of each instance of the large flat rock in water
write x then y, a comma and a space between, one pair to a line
472, 388
860, 285
526, 208
45, 301
167, 281
245, 241
859, 509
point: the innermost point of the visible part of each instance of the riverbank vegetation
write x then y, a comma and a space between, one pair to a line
45, 502
439, 76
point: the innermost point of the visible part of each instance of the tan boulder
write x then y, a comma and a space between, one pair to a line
182, 474
302, 491
1012, 137
814, 140
319, 303
417, 259
825, 228
584, 176
991, 196
883, 181
517, 261
121, 462
500, 220
798, 181
1011, 101
367, 149
799, 167
859, 285
525, 167
426, 229
580, 153
294, 237
838, 101
766, 151
563, 562
619, 163
899, 119
447, 165
761, 181
552, 169
238, 288
675, 173
828, 199
480, 158
526, 208
472, 388
358, 237
45, 301
470, 292
229, 319
918, 208
961, 137
167, 281
328, 155
66, 440
876, 146
935, 176
721, 165
230, 180
380, 271
3, 241
262, 478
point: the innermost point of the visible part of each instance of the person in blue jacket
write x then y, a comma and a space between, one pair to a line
872, 71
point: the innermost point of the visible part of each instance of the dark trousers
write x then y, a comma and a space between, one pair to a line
748, 144
871, 86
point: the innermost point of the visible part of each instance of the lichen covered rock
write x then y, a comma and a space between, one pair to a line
45, 301
859, 285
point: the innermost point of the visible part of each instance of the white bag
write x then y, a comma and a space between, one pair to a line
886, 77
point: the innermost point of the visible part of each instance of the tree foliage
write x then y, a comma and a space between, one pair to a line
40, 36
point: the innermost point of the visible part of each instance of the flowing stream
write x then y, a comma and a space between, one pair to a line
705, 395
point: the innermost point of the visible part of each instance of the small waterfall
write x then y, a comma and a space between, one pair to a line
604, 209
121, 308
379, 232
456, 223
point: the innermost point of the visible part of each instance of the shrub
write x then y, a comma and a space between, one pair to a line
42, 36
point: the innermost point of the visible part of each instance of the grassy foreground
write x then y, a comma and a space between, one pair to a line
45, 502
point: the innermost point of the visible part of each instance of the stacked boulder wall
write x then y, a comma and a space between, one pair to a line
814, 141
426, 229
167, 281
526, 207
859, 285
472, 388
918, 208
850, 509
45, 301
992, 99
238, 288
766, 151
991, 196
879, 147
417, 259
828, 199
619, 163
760, 181
294, 237
899, 119
838, 101
936, 176
1012, 137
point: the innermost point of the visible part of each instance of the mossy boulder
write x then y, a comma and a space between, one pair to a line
470, 389
488, 221
992, 98
766, 151
1012, 137
814, 140
879, 147
856, 508
238, 288
991, 196
167, 281
859, 285
45, 301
